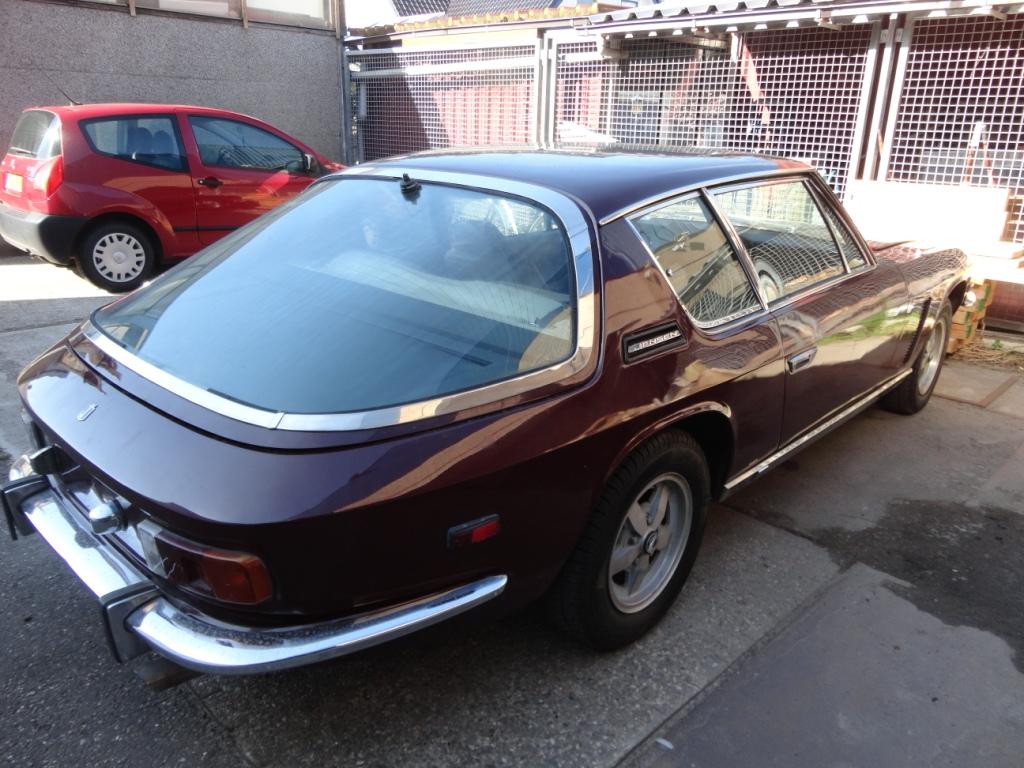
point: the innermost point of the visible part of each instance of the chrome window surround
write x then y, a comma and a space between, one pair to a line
820, 193
577, 230
729, 236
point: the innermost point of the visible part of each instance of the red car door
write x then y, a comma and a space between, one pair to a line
239, 171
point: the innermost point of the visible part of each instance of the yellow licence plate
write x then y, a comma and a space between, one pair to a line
13, 183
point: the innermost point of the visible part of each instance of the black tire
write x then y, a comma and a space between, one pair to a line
124, 240
580, 602
908, 398
769, 280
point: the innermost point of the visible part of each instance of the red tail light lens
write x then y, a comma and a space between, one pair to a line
232, 577
49, 176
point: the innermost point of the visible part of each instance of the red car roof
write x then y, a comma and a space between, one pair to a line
83, 111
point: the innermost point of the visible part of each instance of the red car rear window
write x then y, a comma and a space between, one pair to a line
37, 135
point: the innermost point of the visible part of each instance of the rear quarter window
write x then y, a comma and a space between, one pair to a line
37, 135
148, 140
698, 261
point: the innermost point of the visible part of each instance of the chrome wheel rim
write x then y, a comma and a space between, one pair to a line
650, 543
119, 257
932, 357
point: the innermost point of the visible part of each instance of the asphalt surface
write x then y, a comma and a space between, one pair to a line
860, 605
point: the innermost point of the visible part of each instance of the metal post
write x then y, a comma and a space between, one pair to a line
894, 103
862, 108
347, 151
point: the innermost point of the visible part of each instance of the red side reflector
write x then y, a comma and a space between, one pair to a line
474, 532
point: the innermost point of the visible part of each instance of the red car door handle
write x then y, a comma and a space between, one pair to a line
801, 359
210, 181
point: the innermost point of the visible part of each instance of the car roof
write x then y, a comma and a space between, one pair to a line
606, 182
84, 111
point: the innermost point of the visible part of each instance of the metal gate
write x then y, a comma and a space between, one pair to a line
410, 100
958, 108
795, 93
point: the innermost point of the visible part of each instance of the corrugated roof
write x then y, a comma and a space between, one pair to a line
419, 7
472, 7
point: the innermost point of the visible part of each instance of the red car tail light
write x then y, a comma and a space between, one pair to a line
49, 176
232, 577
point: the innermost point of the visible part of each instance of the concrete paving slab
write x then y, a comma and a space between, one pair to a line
1011, 402
949, 453
34, 294
972, 384
515, 693
863, 678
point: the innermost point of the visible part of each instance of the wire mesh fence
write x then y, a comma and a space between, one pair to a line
794, 93
960, 117
804, 93
405, 101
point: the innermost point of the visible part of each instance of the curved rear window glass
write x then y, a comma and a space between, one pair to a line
37, 135
356, 296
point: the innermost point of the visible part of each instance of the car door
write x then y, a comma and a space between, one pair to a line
140, 162
838, 313
239, 171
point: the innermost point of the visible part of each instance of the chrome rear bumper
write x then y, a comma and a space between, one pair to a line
139, 618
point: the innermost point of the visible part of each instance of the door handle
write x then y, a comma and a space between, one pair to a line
210, 181
801, 359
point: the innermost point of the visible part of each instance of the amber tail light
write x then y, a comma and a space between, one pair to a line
226, 575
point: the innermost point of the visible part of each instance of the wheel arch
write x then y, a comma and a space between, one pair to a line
956, 294
710, 424
115, 216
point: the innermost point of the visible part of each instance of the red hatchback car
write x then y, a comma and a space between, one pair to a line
118, 188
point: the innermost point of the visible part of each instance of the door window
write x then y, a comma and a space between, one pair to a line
231, 144
701, 266
785, 235
147, 140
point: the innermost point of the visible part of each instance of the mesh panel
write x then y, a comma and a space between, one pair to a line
961, 111
409, 101
790, 93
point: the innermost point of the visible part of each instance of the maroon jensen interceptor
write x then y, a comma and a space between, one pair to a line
448, 381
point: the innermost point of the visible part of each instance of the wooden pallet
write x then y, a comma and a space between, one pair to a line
968, 321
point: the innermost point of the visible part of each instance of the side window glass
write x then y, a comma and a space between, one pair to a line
852, 252
147, 140
231, 144
788, 241
702, 267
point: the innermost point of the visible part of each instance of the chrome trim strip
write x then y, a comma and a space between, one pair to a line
706, 184
718, 325
103, 570
194, 641
135, 611
578, 231
852, 409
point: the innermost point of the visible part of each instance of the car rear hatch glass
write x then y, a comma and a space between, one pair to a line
360, 295
35, 147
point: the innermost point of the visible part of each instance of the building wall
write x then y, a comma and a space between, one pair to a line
287, 77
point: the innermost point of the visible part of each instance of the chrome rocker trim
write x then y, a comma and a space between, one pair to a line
847, 412
138, 618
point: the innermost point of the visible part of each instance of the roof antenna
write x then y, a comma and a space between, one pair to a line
53, 82
410, 187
